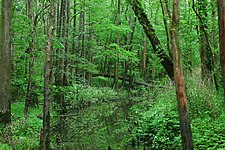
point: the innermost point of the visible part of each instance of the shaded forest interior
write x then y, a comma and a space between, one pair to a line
112, 74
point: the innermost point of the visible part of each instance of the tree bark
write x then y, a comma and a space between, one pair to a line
74, 51
126, 79
144, 59
116, 64
5, 61
166, 29
82, 36
66, 43
90, 55
45, 131
221, 18
168, 9
206, 52
185, 128
204, 47
150, 33
30, 101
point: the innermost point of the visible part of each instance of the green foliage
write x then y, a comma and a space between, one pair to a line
4, 147
209, 133
80, 96
203, 100
139, 118
156, 127
25, 132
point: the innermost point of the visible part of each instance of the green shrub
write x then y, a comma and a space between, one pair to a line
209, 133
82, 96
158, 127
4, 147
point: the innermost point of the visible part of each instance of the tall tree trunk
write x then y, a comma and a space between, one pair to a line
5, 61
66, 42
130, 37
59, 97
45, 131
206, 52
30, 100
221, 18
74, 51
215, 44
166, 28
150, 33
91, 38
82, 36
168, 9
116, 65
179, 81
144, 58
204, 48
59, 52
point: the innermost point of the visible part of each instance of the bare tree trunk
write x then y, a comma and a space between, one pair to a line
206, 73
206, 52
150, 33
82, 36
45, 131
5, 61
215, 44
116, 65
144, 58
74, 51
166, 28
91, 38
221, 18
30, 99
59, 52
60, 74
168, 9
179, 81
66, 42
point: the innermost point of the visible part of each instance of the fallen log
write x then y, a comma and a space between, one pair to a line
128, 80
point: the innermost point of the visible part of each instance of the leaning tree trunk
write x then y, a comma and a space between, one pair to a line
150, 33
179, 81
221, 18
166, 28
45, 131
5, 62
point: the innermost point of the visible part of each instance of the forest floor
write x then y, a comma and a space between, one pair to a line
142, 117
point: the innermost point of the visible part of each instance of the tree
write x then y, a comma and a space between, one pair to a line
45, 131
179, 81
221, 20
5, 62
30, 100
62, 59
74, 51
116, 65
66, 24
206, 52
150, 33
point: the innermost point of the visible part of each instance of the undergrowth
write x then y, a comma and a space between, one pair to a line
136, 119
